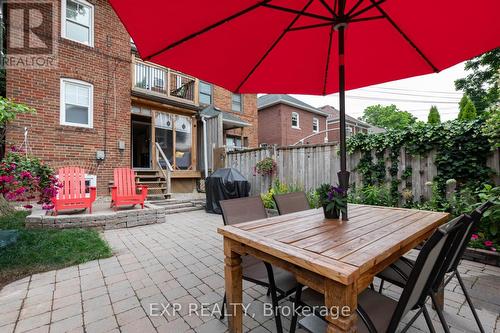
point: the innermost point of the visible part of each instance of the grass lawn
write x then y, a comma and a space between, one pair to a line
44, 250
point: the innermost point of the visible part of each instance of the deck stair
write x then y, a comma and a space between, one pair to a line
174, 206
156, 182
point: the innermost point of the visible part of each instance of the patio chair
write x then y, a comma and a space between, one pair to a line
398, 272
73, 194
124, 189
291, 202
378, 313
277, 280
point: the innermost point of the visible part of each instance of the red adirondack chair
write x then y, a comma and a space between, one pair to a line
124, 189
73, 194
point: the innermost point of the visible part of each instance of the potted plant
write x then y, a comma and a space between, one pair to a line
332, 199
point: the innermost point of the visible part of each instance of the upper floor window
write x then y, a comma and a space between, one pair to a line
78, 21
315, 125
76, 103
295, 120
236, 102
205, 93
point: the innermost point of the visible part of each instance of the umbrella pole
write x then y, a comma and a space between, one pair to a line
343, 174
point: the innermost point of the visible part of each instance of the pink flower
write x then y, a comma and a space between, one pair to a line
494, 249
26, 174
474, 237
28, 206
488, 243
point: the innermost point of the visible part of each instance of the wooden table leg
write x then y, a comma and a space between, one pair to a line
234, 286
342, 301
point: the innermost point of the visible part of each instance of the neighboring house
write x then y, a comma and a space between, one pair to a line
353, 125
285, 120
104, 108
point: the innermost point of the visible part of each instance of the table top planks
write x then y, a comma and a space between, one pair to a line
341, 250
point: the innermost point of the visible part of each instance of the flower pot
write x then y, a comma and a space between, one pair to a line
331, 214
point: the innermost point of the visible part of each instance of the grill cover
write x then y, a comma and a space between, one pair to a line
224, 184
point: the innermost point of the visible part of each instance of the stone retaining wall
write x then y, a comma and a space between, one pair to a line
102, 220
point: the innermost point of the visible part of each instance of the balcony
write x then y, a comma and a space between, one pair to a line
164, 82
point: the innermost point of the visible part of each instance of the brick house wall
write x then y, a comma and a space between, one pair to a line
334, 133
107, 67
269, 123
222, 99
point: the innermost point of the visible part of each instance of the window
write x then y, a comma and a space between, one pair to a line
178, 149
233, 142
76, 103
78, 21
295, 120
315, 125
236, 102
205, 93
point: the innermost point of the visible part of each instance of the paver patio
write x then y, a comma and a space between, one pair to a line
180, 263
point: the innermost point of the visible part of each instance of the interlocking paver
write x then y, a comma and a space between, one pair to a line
181, 262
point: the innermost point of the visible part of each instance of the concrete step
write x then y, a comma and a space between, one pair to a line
175, 205
183, 210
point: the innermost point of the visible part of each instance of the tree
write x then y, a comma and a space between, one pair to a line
434, 117
491, 127
387, 116
468, 111
482, 84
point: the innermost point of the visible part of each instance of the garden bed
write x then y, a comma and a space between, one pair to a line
482, 256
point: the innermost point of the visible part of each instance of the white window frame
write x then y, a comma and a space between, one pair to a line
63, 21
211, 93
316, 122
298, 120
62, 103
241, 102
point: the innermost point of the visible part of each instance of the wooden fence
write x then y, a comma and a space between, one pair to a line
311, 165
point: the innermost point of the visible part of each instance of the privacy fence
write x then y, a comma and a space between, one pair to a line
311, 165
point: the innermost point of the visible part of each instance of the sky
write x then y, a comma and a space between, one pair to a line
415, 95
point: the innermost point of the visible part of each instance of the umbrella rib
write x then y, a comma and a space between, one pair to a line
367, 8
319, 25
273, 45
295, 11
323, 2
354, 7
328, 60
401, 32
208, 28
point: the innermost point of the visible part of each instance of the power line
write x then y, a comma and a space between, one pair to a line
406, 94
401, 100
417, 90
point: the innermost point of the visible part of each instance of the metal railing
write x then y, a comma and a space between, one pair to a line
160, 155
162, 81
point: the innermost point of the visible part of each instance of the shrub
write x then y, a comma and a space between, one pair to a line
24, 178
281, 188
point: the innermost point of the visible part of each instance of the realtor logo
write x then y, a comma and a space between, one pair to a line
29, 33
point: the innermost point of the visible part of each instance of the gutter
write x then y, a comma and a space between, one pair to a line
205, 157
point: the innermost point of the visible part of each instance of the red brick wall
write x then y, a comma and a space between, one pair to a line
222, 100
268, 124
107, 67
334, 136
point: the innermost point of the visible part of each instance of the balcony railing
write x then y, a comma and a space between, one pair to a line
164, 82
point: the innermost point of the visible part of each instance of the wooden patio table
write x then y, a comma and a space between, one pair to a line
334, 257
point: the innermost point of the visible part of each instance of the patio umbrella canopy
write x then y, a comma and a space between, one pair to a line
283, 46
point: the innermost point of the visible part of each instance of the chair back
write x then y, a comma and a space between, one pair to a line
429, 267
242, 210
475, 216
291, 202
124, 180
73, 183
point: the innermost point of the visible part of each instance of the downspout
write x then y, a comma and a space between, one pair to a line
205, 157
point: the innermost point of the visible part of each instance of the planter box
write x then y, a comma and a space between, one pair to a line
482, 256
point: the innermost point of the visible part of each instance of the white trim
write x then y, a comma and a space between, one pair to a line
62, 103
315, 120
298, 120
91, 27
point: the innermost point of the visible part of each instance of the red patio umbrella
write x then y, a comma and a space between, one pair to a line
298, 46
